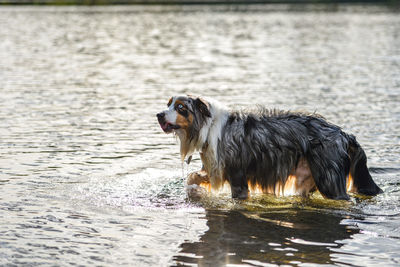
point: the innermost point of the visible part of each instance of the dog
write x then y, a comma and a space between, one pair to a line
269, 151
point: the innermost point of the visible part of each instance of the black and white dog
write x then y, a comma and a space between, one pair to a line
272, 151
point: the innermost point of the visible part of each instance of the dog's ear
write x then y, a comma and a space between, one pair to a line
170, 102
202, 106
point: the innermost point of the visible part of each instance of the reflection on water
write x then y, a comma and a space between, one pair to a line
87, 176
277, 236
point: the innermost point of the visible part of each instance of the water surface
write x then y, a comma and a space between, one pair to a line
88, 178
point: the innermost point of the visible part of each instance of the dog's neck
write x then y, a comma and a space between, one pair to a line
209, 134
212, 135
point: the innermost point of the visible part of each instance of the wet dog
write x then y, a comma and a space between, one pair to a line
272, 151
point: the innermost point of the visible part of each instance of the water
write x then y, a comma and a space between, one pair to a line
88, 178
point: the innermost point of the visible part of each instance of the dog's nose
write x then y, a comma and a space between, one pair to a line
160, 115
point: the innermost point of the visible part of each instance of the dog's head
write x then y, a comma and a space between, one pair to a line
185, 116
191, 119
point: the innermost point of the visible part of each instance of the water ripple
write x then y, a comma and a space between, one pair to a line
88, 177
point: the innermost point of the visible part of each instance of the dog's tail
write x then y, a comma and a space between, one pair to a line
359, 178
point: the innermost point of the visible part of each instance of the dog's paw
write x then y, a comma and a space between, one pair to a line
195, 192
198, 178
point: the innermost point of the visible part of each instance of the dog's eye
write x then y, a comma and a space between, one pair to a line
180, 106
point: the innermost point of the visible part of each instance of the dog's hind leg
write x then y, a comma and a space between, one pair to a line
361, 178
329, 167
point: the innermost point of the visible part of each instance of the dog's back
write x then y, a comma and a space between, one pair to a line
266, 147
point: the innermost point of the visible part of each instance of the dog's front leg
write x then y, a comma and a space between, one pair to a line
238, 182
198, 183
199, 177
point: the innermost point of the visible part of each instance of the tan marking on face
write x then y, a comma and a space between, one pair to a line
177, 102
184, 122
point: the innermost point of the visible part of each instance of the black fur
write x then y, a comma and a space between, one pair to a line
263, 147
200, 113
359, 171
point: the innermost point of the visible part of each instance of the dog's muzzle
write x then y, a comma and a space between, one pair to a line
166, 125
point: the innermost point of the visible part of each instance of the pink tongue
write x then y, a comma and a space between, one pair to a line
165, 126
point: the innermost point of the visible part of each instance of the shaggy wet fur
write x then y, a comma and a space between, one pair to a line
278, 140
266, 148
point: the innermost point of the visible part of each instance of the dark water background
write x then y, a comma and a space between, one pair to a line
88, 178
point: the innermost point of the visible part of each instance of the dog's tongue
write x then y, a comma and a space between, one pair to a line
164, 126
167, 127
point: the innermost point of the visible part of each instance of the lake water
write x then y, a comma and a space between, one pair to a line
87, 177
